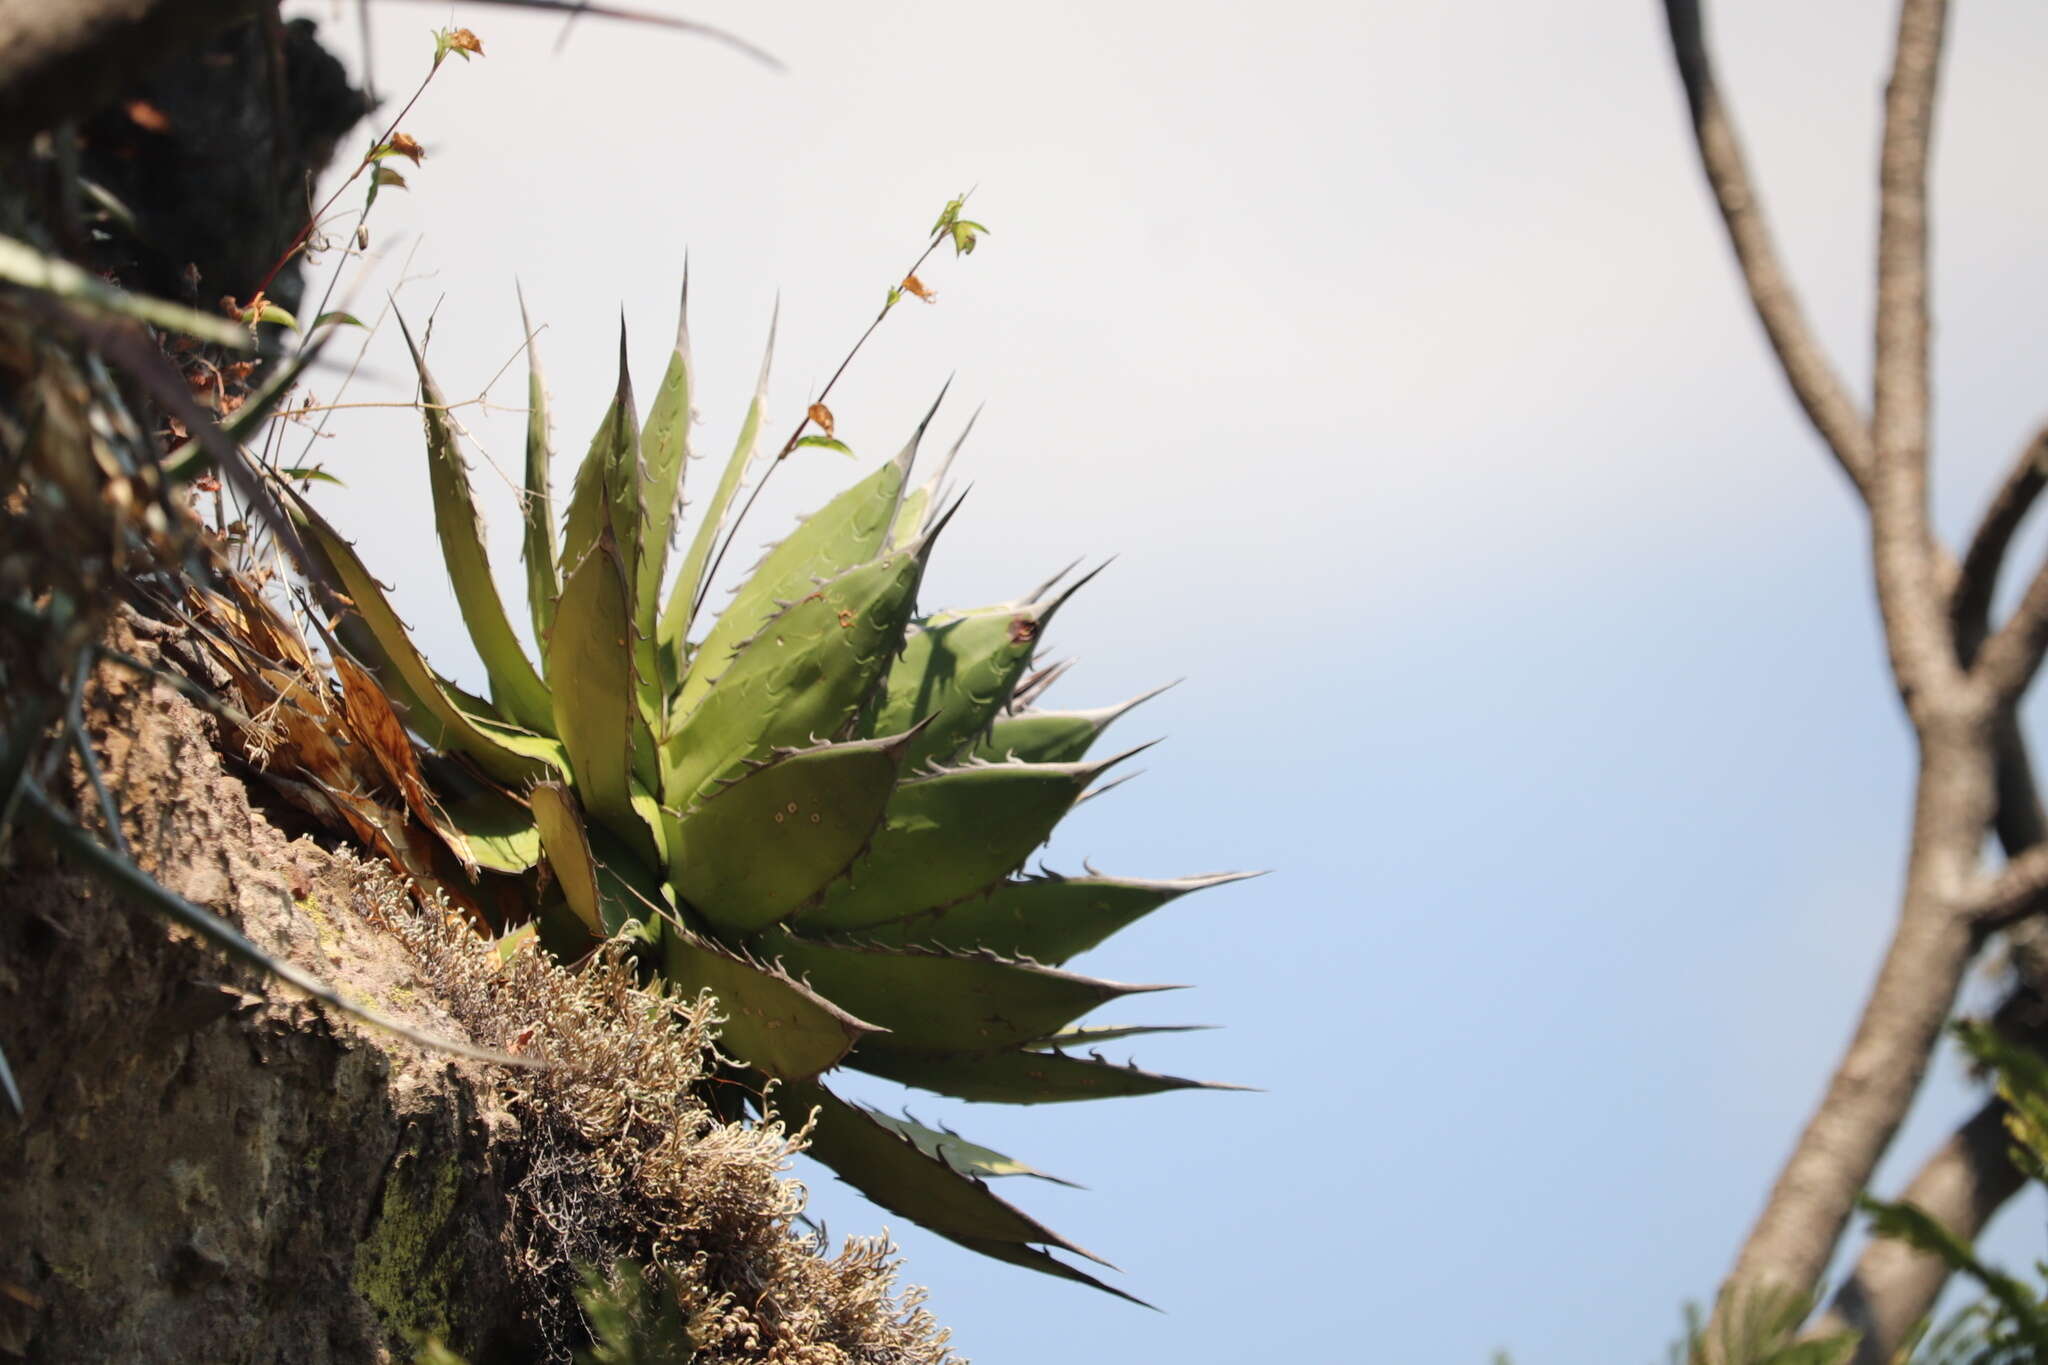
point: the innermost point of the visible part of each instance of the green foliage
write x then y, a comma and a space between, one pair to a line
2008, 1325
818, 809
2016, 1318
1759, 1327
633, 1320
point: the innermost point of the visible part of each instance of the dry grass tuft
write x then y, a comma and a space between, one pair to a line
626, 1163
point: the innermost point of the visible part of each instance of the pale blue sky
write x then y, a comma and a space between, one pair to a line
1527, 632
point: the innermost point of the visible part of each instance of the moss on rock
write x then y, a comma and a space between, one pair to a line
410, 1267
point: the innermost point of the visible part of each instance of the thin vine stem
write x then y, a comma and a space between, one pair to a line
940, 234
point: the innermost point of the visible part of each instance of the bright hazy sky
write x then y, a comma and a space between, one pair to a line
1395, 349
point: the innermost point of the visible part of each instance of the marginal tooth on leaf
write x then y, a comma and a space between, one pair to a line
896, 746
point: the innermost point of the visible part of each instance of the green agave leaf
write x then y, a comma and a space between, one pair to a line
960, 669
605, 884
1088, 1035
951, 835
890, 1170
674, 627
500, 832
802, 678
379, 637
665, 450
1019, 1076
1047, 919
968, 1158
606, 506
919, 502
515, 687
957, 672
1054, 736
847, 531
590, 669
750, 854
511, 943
653, 820
1031, 1258
559, 822
775, 1024
937, 1000
543, 579
607, 489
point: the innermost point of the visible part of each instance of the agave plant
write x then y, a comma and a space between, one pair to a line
819, 810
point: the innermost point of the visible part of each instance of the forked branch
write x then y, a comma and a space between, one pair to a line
1815, 384
2009, 660
1957, 790
1985, 559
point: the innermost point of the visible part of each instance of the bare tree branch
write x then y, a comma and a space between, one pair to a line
1974, 764
2020, 889
1866, 1100
1956, 793
1962, 1184
2010, 658
1965, 1182
1916, 619
2021, 822
1977, 580
1820, 392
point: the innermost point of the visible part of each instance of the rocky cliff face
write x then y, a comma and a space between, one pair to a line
210, 1168
213, 1169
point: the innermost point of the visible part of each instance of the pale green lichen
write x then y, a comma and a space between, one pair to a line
323, 927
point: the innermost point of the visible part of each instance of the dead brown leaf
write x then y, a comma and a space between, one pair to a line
376, 725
